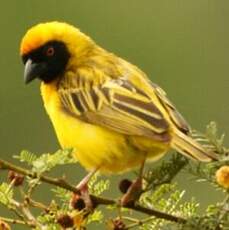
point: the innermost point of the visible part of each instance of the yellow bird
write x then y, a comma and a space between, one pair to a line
101, 105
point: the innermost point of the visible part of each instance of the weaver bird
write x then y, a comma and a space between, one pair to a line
104, 107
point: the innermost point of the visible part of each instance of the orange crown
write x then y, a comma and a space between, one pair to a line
49, 31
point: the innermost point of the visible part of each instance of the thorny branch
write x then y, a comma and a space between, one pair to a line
97, 200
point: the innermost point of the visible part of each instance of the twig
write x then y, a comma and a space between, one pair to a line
139, 222
158, 214
60, 182
27, 216
36, 204
30, 216
16, 221
223, 213
14, 205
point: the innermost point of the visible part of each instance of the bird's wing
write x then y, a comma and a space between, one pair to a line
118, 105
174, 115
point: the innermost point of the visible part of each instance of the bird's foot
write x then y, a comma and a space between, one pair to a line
84, 192
82, 199
133, 192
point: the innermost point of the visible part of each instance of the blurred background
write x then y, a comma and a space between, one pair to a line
182, 45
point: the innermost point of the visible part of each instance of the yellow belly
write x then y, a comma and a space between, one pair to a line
96, 146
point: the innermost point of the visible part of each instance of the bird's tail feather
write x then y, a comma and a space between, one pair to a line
192, 149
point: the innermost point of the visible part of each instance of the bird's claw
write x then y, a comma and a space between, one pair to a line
133, 193
82, 199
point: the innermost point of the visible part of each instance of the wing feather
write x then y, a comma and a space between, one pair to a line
118, 106
175, 116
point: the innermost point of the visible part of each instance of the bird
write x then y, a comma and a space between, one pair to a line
101, 105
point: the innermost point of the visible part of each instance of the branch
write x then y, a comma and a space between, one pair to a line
16, 221
156, 213
61, 182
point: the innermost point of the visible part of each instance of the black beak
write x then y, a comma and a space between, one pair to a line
33, 70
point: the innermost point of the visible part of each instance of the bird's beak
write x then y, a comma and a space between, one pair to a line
33, 70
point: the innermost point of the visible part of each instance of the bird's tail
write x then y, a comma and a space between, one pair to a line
192, 149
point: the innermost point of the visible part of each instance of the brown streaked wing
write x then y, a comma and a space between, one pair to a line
121, 110
120, 123
175, 116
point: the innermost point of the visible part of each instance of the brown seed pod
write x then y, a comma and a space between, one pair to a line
124, 185
16, 178
118, 224
65, 221
4, 225
77, 202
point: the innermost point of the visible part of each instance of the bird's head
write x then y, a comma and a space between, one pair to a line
47, 49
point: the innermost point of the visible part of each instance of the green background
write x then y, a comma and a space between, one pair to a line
183, 45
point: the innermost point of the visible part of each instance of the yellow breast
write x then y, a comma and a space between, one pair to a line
94, 146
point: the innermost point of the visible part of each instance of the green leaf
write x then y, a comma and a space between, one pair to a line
48, 161
96, 216
165, 172
26, 156
6, 194
64, 197
98, 187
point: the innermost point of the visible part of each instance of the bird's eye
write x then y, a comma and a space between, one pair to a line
50, 51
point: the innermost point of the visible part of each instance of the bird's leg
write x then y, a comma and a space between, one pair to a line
83, 189
135, 189
82, 185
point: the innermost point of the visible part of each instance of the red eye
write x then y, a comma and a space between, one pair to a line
50, 51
